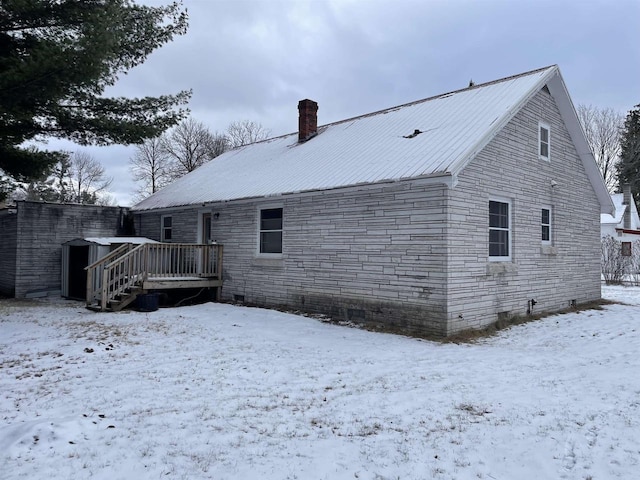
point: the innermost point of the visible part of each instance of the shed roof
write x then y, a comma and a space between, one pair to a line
435, 137
111, 240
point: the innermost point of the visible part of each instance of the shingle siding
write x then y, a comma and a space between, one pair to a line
509, 167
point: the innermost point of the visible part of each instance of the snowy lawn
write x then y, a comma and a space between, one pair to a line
226, 392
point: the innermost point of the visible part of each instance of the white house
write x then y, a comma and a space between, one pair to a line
432, 217
624, 223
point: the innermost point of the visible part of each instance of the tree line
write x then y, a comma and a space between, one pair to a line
56, 60
615, 143
79, 178
58, 57
160, 160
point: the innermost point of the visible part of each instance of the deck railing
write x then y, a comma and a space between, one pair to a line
127, 269
94, 272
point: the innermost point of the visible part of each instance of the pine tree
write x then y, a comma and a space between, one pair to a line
629, 165
56, 59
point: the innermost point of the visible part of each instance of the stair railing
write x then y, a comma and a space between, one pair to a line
127, 268
94, 272
123, 273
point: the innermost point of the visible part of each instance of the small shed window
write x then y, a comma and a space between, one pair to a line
544, 141
167, 228
626, 249
499, 230
545, 222
271, 230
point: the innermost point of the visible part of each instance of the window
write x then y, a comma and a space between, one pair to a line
499, 230
166, 223
271, 230
626, 249
545, 222
544, 141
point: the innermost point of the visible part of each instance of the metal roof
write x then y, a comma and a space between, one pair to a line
118, 240
434, 137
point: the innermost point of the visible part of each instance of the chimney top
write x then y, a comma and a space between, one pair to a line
307, 119
627, 198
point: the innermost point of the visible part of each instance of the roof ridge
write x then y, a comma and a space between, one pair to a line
414, 102
435, 97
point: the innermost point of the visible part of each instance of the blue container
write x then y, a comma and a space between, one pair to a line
148, 302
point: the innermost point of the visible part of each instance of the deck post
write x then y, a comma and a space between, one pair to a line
105, 289
219, 272
88, 298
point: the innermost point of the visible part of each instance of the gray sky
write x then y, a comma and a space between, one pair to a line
255, 59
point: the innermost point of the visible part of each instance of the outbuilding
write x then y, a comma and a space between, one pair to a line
79, 253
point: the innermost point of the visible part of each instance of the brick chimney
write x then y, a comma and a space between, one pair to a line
626, 200
307, 119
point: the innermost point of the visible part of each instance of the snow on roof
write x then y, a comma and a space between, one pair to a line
617, 219
617, 199
434, 137
118, 240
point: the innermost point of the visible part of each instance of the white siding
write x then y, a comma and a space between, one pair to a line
553, 276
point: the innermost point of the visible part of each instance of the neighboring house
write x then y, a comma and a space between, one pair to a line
32, 234
624, 223
431, 217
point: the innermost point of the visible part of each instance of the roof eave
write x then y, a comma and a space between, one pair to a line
559, 92
501, 122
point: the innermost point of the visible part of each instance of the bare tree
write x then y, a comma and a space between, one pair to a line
634, 263
614, 265
151, 166
602, 127
88, 178
61, 174
190, 145
245, 132
51, 186
107, 200
218, 144
76, 177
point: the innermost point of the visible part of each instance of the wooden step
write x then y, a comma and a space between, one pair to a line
117, 305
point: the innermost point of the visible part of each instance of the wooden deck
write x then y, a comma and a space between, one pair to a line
114, 281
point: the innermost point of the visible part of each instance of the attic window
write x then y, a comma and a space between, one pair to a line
415, 133
544, 141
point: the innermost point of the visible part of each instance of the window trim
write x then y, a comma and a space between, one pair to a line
163, 228
509, 229
550, 225
259, 230
547, 127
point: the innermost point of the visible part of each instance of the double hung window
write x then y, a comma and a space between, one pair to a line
499, 230
545, 222
270, 237
544, 141
166, 228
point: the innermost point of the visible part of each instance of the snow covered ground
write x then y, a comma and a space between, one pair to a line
226, 392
